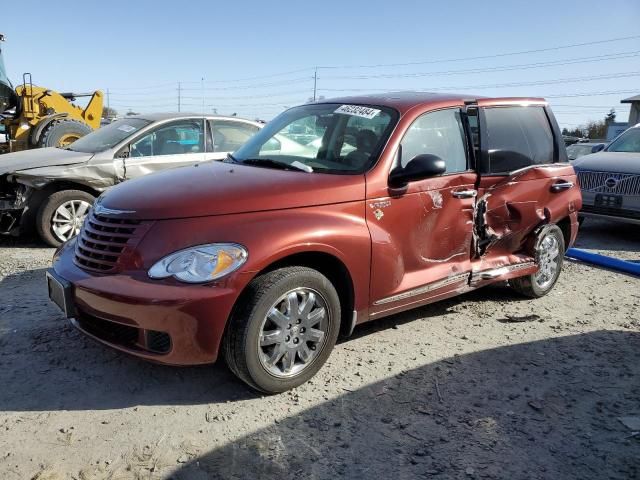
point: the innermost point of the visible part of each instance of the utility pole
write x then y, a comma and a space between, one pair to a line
202, 91
315, 83
178, 96
108, 106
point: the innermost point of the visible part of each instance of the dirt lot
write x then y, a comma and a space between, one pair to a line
488, 385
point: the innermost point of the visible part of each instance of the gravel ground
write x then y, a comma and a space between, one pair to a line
487, 385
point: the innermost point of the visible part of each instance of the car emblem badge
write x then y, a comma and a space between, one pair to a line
611, 182
100, 210
378, 213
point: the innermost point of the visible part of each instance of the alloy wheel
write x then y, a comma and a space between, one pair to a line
293, 332
68, 218
548, 261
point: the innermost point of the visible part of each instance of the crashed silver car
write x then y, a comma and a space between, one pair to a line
52, 189
610, 179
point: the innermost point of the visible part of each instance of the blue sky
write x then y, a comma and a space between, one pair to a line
139, 50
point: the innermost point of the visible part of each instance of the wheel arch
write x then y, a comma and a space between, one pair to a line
565, 226
328, 264
28, 219
60, 185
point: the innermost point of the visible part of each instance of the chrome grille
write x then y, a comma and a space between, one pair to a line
103, 240
609, 182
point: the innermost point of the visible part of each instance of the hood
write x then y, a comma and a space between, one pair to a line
217, 188
621, 162
40, 157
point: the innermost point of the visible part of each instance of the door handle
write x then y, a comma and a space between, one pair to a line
560, 186
464, 193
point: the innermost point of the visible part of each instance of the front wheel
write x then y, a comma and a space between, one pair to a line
284, 329
61, 215
549, 253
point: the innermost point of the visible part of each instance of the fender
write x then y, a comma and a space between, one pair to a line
338, 230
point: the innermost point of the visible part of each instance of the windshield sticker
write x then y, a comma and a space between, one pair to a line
358, 111
126, 128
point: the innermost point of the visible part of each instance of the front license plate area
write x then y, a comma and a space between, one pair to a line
60, 293
608, 201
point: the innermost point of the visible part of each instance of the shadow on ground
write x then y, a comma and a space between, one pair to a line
541, 410
25, 241
46, 364
51, 366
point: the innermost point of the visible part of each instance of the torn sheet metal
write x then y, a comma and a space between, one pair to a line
508, 211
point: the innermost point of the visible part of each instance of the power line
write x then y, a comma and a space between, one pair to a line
484, 57
598, 58
590, 94
380, 65
505, 85
584, 106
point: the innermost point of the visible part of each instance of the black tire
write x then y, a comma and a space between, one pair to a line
58, 130
243, 330
527, 285
44, 217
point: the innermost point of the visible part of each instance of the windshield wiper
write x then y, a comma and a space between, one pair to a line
269, 162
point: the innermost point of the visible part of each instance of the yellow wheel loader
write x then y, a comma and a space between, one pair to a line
34, 117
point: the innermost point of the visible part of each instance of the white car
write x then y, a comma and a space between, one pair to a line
53, 188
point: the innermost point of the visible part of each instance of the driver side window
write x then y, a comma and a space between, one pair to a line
437, 133
173, 139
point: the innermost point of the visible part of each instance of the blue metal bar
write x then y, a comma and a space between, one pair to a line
625, 266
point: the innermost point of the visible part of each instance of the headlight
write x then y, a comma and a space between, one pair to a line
202, 263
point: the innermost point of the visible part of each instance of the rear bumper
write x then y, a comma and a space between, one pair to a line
163, 322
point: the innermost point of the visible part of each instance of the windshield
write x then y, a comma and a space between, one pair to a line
575, 151
327, 138
629, 141
108, 136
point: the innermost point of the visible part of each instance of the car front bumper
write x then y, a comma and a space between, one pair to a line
160, 321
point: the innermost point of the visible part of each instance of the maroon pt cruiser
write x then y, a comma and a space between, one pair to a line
334, 214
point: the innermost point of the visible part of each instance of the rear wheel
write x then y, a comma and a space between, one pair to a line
549, 253
61, 133
284, 329
61, 215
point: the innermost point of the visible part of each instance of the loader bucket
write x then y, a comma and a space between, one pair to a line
8, 97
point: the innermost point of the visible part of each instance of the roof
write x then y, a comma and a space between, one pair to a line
406, 100
156, 117
631, 99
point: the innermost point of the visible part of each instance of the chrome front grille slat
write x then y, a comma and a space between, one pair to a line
625, 183
103, 241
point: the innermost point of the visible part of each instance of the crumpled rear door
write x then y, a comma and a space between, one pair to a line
524, 183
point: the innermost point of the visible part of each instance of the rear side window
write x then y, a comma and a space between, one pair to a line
517, 137
229, 135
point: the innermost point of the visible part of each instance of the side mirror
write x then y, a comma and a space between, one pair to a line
598, 148
419, 167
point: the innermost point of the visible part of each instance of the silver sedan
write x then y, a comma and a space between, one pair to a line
52, 189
